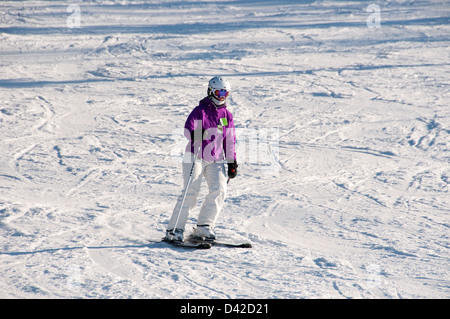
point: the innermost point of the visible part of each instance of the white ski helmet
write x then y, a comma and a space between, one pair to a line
218, 90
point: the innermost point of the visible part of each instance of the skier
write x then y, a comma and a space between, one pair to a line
211, 134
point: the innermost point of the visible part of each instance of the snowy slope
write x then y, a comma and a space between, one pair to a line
344, 147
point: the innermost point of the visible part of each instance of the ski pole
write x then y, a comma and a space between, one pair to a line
188, 183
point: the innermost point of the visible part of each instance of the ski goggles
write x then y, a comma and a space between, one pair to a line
221, 94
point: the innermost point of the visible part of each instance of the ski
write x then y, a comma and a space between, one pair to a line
195, 243
219, 243
191, 245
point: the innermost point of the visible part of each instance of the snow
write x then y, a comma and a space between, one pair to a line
344, 147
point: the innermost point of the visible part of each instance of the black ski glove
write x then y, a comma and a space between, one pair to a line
232, 169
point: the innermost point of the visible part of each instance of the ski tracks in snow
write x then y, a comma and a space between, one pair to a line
356, 205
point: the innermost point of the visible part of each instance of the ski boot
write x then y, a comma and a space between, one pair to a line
204, 232
174, 235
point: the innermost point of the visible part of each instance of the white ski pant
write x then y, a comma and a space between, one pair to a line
214, 173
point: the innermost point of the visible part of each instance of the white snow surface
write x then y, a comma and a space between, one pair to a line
344, 147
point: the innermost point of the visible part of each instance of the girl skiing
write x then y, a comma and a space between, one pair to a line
211, 134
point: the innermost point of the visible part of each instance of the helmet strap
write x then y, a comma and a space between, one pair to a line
215, 101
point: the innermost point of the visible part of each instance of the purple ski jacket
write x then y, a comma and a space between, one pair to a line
219, 133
